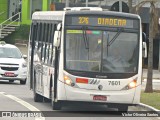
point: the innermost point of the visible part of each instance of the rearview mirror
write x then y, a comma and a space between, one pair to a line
144, 45
57, 38
144, 52
24, 56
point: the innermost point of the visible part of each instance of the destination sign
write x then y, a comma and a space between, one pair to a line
102, 21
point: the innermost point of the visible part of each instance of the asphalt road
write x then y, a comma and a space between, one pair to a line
16, 97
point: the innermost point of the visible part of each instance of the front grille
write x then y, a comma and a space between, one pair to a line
9, 68
8, 64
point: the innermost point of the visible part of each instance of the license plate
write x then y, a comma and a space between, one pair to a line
9, 74
100, 97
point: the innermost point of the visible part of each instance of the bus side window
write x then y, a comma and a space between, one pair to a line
144, 45
49, 44
39, 34
39, 40
46, 47
52, 58
42, 42
37, 31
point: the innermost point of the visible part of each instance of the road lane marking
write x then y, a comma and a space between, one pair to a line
150, 108
27, 105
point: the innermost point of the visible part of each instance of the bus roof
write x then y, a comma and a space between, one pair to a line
58, 15
108, 13
83, 8
48, 15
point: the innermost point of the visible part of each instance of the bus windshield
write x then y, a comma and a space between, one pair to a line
96, 51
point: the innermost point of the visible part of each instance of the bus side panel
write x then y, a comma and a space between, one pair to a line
136, 99
61, 93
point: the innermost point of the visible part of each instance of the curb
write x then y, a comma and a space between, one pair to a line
153, 80
157, 78
149, 108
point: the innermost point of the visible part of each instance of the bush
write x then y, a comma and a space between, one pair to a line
22, 33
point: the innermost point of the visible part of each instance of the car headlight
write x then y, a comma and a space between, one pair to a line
24, 65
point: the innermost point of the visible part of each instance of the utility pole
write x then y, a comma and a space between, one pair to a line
120, 5
86, 3
67, 3
159, 51
130, 5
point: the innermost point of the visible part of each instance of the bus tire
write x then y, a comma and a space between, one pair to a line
123, 108
37, 97
47, 100
23, 82
56, 105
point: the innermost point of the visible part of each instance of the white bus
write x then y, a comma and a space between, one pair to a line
86, 56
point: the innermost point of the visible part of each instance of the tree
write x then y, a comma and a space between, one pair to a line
153, 29
130, 5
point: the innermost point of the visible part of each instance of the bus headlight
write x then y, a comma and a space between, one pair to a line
131, 85
68, 81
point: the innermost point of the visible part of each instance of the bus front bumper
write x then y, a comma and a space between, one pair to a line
131, 96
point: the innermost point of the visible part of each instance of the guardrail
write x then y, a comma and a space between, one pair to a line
9, 22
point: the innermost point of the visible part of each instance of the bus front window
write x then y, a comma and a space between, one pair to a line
96, 51
120, 56
83, 54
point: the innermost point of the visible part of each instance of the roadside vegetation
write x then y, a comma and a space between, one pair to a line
21, 33
151, 99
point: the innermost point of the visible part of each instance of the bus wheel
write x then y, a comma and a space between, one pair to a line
38, 98
123, 108
56, 105
46, 100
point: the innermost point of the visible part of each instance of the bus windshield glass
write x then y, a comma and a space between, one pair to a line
103, 45
101, 51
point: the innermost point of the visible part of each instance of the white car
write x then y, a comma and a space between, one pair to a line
12, 63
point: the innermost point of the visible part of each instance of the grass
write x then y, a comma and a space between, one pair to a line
151, 99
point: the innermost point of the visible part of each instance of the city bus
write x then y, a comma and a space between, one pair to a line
86, 55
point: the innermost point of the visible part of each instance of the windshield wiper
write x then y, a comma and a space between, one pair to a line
10, 57
85, 38
116, 36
